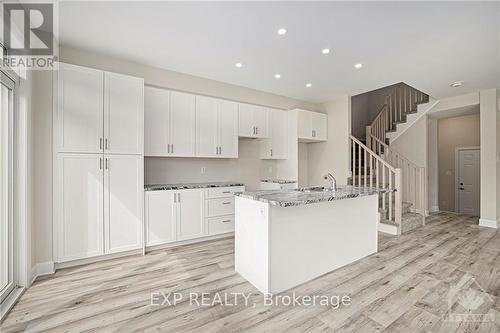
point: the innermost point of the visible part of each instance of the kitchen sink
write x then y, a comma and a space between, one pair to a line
315, 189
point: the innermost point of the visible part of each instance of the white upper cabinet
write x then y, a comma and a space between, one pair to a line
80, 109
228, 129
156, 121
123, 202
182, 124
312, 126
276, 146
123, 114
169, 124
216, 128
207, 127
99, 111
253, 121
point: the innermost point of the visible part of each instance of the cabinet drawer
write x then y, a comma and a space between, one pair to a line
221, 192
222, 206
220, 225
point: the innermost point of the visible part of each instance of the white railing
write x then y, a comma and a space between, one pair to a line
371, 170
413, 176
402, 101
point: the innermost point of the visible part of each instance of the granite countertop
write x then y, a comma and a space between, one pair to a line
279, 181
289, 198
185, 186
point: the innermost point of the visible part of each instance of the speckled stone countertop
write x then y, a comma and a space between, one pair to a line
289, 198
185, 186
279, 181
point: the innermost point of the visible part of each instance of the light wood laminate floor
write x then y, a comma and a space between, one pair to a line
417, 282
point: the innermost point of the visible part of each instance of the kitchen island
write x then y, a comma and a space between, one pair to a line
286, 238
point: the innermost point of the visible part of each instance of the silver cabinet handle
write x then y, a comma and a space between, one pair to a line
256, 130
220, 150
226, 221
106, 144
172, 148
178, 197
271, 152
107, 164
224, 192
100, 163
226, 203
175, 196
216, 150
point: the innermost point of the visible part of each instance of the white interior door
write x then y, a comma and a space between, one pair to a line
156, 121
183, 124
228, 128
7, 263
189, 214
80, 110
468, 181
123, 202
123, 114
206, 127
79, 206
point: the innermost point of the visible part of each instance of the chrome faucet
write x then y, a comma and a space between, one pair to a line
333, 181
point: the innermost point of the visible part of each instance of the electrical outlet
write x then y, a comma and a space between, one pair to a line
203, 170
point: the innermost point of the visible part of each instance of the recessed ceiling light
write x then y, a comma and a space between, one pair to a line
309, 85
281, 31
239, 64
456, 84
358, 66
277, 76
325, 51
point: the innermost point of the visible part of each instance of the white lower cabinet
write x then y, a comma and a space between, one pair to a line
179, 215
98, 205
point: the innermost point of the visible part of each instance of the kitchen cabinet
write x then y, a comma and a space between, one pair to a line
99, 111
252, 121
312, 126
78, 214
99, 205
276, 146
123, 114
79, 109
189, 214
169, 123
123, 202
160, 217
216, 128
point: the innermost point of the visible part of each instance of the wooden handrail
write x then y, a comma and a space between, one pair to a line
380, 159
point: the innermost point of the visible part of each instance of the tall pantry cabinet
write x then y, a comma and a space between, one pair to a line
99, 167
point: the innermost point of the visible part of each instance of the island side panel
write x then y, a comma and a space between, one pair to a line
310, 240
252, 241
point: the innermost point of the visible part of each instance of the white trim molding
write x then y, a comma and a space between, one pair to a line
43, 268
434, 209
488, 223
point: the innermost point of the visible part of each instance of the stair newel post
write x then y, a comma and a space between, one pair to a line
398, 202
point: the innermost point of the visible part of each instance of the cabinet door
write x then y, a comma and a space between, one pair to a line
79, 109
123, 114
206, 127
182, 124
260, 121
279, 133
304, 125
228, 128
160, 217
79, 206
123, 202
189, 214
246, 127
156, 121
319, 125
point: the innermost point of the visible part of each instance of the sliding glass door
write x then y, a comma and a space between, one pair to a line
7, 262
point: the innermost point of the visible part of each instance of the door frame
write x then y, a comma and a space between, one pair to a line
457, 180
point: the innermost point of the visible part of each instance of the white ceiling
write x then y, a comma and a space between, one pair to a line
427, 44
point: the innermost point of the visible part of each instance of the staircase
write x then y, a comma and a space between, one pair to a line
376, 164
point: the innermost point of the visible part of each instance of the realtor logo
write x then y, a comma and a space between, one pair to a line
31, 22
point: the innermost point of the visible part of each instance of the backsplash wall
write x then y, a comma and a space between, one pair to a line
248, 168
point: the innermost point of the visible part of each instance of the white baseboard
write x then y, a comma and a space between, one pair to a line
43, 268
434, 209
488, 223
388, 228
